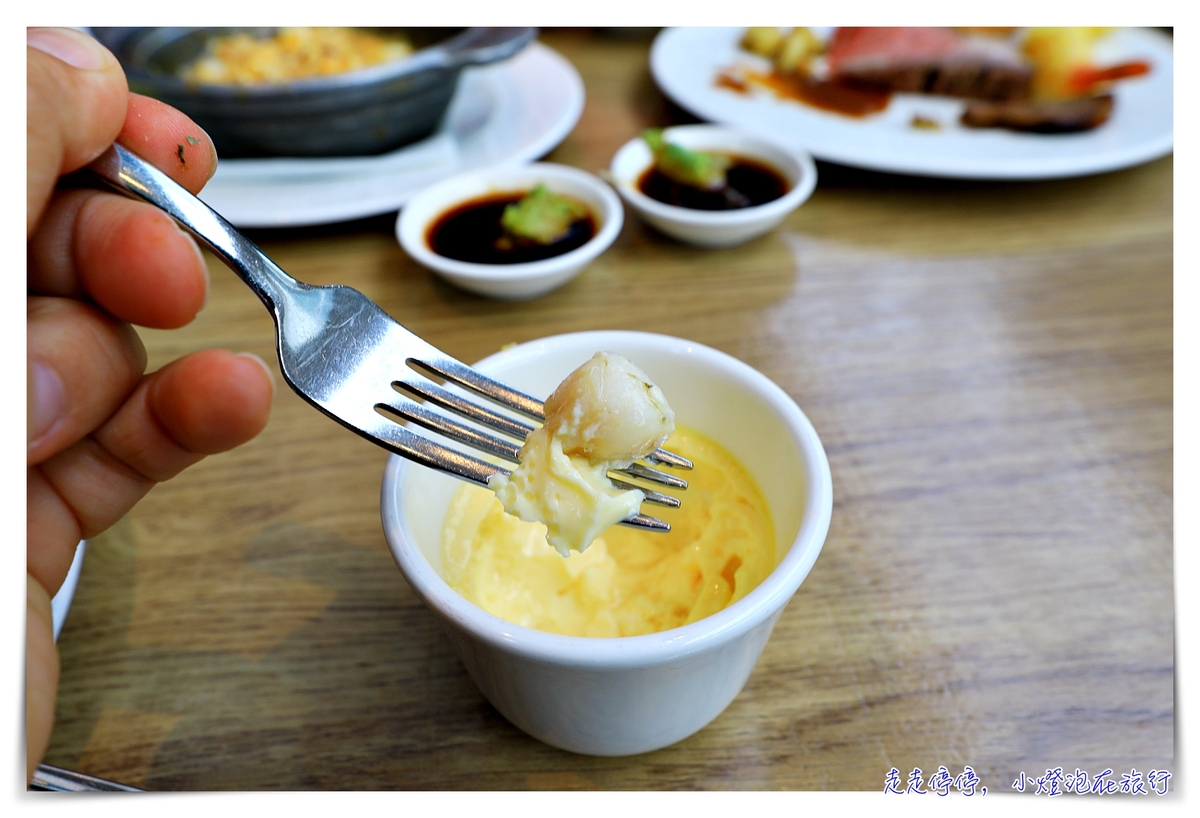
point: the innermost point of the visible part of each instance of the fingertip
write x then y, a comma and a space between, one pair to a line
70, 46
214, 400
205, 280
138, 264
170, 140
250, 356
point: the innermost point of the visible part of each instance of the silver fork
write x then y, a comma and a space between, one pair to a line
341, 352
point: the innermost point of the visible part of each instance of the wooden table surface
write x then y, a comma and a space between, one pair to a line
989, 366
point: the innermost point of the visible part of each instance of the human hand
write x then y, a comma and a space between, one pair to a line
100, 432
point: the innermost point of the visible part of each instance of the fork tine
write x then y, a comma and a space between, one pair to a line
464, 407
463, 375
420, 449
642, 521
670, 459
651, 496
653, 475
448, 427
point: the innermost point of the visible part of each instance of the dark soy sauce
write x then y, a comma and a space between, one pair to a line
752, 183
472, 232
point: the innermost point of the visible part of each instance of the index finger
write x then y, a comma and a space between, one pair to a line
169, 140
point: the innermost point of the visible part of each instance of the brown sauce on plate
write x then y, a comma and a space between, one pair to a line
732, 83
471, 232
840, 97
752, 183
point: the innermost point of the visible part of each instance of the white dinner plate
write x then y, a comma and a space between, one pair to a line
512, 112
685, 62
60, 605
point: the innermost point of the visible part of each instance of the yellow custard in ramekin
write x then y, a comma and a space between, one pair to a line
628, 581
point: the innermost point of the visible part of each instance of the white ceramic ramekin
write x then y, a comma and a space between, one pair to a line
629, 695
714, 228
511, 282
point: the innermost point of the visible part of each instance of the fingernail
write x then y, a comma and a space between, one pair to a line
72, 47
47, 400
200, 258
212, 150
261, 363
207, 279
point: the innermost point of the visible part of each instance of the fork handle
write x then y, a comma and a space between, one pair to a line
138, 179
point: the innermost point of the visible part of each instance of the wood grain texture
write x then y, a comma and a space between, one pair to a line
988, 365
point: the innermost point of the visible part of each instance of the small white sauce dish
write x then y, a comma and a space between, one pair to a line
510, 282
621, 696
715, 228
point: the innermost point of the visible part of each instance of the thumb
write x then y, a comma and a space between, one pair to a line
75, 107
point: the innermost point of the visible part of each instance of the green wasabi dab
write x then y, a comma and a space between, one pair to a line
541, 217
696, 168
